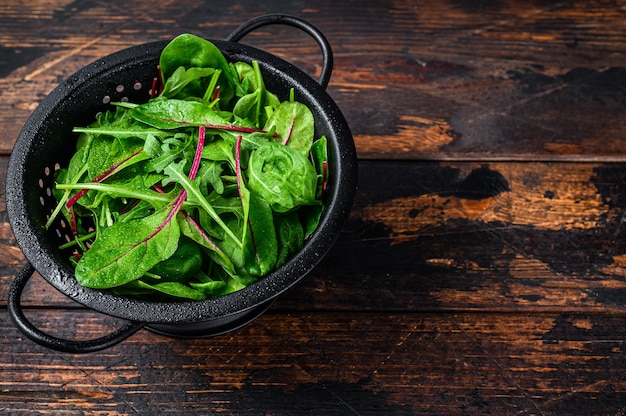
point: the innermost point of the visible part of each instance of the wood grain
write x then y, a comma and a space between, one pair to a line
458, 236
333, 363
451, 81
483, 266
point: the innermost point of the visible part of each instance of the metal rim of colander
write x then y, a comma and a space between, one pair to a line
37, 249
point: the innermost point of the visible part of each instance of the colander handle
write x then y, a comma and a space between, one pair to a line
51, 341
281, 19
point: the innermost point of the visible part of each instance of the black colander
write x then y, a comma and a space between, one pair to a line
46, 143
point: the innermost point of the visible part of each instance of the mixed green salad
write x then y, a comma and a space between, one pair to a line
211, 184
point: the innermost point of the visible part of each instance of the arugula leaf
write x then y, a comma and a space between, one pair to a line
209, 175
176, 174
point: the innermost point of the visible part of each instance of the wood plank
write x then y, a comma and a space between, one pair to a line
445, 81
330, 363
458, 236
470, 236
482, 269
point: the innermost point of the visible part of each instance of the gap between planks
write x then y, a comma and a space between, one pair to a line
521, 158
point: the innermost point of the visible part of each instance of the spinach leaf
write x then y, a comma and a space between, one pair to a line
175, 289
282, 176
293, 123
252, 106
173, 114
180, 266
290, 236
184, 76
260, 245
191, 51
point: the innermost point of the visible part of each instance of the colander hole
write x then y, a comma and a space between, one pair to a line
40, 182
48, 191
124, 99
119, 88
57, 166
46, 171
106, 99
63, 224
42, 202
58, 233
137, 86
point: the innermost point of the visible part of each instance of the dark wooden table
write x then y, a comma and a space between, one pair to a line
483, 267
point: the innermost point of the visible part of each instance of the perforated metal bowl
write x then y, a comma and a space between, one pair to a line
46, 143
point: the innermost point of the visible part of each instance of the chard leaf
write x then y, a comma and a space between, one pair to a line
319, 154
190, 228
126, 250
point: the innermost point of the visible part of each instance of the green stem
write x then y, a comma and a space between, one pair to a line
64, 198
118, 190
78, 240
193, 190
